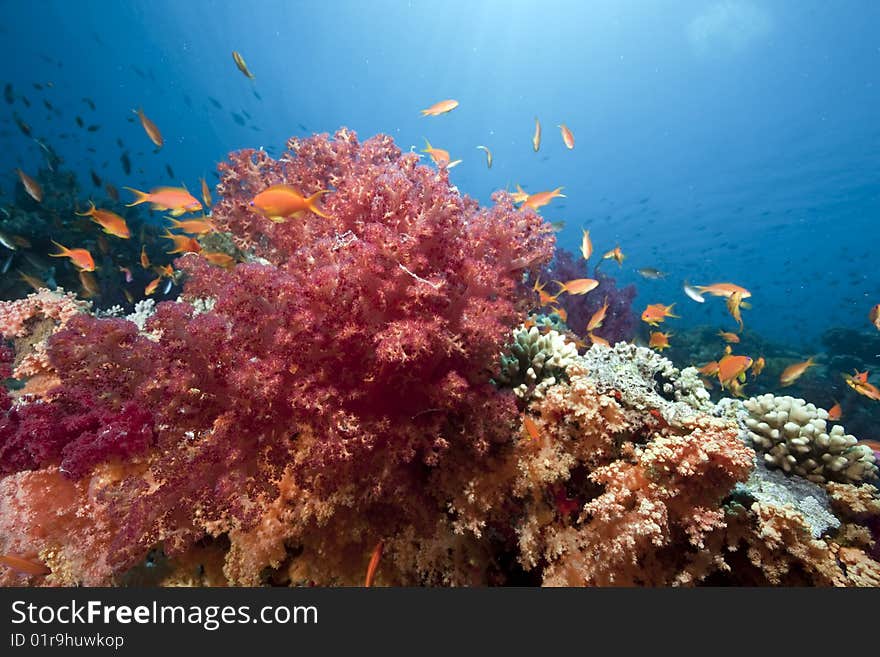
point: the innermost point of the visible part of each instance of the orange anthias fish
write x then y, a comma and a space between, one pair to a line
586, 245
176, 199
793, 372
659, 341
724, 290
241, 65
709, 369
440, 156
152, 285
835, 412
112, 192
206, 193
183, 243
598, 317
442, 107
31, 186
531, 428
374, 564
193, 226
656, 313
615, 254
145, 259
111, 222
727, 336
220, 259
567, 137
539, 200
33, 281
89, 284
874, 316
859, 383
734, 302
536, 138
758, 366
26, 566
733, 367
520, 195
577, 286
150, 128
561, 312
279, 202
80, 258
598, 340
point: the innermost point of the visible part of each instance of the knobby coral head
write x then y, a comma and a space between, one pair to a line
355, 351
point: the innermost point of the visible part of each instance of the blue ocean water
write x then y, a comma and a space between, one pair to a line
716, 140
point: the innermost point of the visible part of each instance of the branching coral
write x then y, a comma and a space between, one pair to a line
535, 360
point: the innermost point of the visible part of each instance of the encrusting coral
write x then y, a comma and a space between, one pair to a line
794, 436
333, 394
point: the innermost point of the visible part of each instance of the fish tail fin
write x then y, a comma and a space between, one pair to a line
63, 250
669, 311
312, 200
139, 197
425, 112
428, 147
87, 212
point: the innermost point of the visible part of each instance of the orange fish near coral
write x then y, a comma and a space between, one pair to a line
539, 200
732, 367
33, 281
727, 336
520, 195
656, 313
598, 340
152, 285
586, 245
859, 383
192, 226
182, 243
793, 372
567, 137
176, 199
531, 428
709, 369
26, 566
111, 222
536, 138
734, 302
279, 202
577, 286
80, 258
89, 285
374, 564
150, 128
874, 316
440, 156
206, 193
442, 107
724, 290
758, 366
31, 186
220, 259
835, 412
145, 259
615, 254
659, 341
598, 317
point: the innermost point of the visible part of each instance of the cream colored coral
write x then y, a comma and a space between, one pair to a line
535, 361
795, 436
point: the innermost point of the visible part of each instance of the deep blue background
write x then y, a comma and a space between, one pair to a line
718, 141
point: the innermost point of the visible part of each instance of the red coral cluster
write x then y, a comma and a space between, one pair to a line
357, 353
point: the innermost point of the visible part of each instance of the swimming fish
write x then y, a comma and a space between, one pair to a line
531, 428
33, 281
835, 412
240, 63
220, 259
26, 566
176, 199
758, 366
111, 190
111, 222
859, 383
586, 244
598, 340
279, 202
598, 317
206, 193
536, 138
488, 156
577, 286
126, 273
89, 284
723, 290
440, 156
8, 241
520, 195
656, 313
874, 316
145, 260
96, 179
734, 302
373, 565
651, 273
192, 226
150, 128
727, 336
732, 367
31, 186
152, 286
709, 369
539, 200
567, 137
442, 107
615, 254
182, 243
659, 341
80, 258
692, 293
793, 372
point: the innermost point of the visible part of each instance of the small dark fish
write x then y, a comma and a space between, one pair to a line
215, 102
170, 170
80, 122
257, 96
651, 273
302, 127
92, 149
38, 86
26, 102
6, 264
48, 105
96, 179
139, 72
98, 39
93, 127
112, 192
24, 127
126, 163
119, 142
238, 118
8, 94
90, 103
247, 116
256, 129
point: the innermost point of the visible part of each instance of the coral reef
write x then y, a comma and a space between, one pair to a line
794, 436
534, 360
